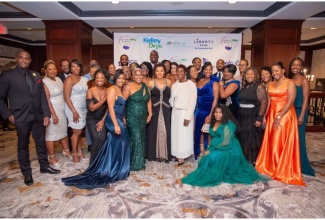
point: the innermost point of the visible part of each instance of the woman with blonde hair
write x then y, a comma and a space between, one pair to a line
57, 129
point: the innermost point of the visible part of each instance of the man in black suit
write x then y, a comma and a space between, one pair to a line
28, 111
220, 64
65, 67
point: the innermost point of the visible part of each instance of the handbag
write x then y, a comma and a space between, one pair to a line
205, 128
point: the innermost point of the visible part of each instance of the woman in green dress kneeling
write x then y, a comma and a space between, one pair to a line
223, 161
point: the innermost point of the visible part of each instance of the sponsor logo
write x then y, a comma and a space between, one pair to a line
154, 43
178, 59
203, 44
177, 44
228, 42
126, 42
236, 62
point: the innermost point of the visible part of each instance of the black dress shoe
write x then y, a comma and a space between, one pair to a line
29, 180
89, 148
49, 170
8, 129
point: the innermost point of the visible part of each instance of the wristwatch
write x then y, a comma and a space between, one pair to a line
279, 117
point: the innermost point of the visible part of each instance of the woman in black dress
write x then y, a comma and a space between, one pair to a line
158, 143
253, 105
97, 110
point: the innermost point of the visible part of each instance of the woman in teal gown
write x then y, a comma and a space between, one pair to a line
223, 161
113, 160
301, 106
138, 114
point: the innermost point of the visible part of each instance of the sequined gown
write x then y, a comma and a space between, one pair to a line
136, 116
113, 160
78, 99
57, 131
279, 156
305, 165
158, 143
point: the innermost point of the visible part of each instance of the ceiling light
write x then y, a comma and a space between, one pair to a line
29, 29
232, 2
115, 2
313, 28
209, 27
131, 26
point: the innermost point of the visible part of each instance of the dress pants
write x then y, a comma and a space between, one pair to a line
38, 132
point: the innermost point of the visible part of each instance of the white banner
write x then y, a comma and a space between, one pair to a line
180, 48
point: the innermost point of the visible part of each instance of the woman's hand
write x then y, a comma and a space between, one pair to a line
186, 122
75, 117
207, 119
55, 119
301, 119
276, 123
264, 121
149, 118
117, 129
100, 125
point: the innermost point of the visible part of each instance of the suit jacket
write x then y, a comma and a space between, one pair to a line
61, 76
13, 85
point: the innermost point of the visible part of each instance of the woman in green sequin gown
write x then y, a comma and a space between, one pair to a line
224, 160
138, 114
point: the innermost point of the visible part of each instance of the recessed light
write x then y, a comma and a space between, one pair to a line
131, 26
29, 29
210, 27
115, 2
232, 2
313, 28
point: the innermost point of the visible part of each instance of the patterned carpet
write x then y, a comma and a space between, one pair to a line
156, 192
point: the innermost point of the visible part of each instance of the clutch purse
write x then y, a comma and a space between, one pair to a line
205, 128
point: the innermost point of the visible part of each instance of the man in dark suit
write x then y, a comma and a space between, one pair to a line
28, 111
217, 76
65, 67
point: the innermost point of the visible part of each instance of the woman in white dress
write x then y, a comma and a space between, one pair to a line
183, 100
57, 129
75, 89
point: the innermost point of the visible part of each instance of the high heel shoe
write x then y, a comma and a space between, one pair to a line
75, 158
81, 156
66, 155
50, 158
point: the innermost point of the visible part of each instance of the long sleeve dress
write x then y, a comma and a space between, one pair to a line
183, 101
223, 161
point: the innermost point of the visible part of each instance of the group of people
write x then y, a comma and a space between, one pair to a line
157, 110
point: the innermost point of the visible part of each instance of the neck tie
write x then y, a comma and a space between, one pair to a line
29, 81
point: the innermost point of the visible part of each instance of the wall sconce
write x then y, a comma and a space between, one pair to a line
310, 78
305, 71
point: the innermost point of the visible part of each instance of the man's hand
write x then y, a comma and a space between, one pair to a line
12, 119
46, 121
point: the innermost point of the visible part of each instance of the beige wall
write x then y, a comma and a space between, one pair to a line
318, 65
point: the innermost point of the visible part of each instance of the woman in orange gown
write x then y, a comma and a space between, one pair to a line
279, 156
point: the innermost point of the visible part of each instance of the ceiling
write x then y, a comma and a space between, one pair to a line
24, 19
